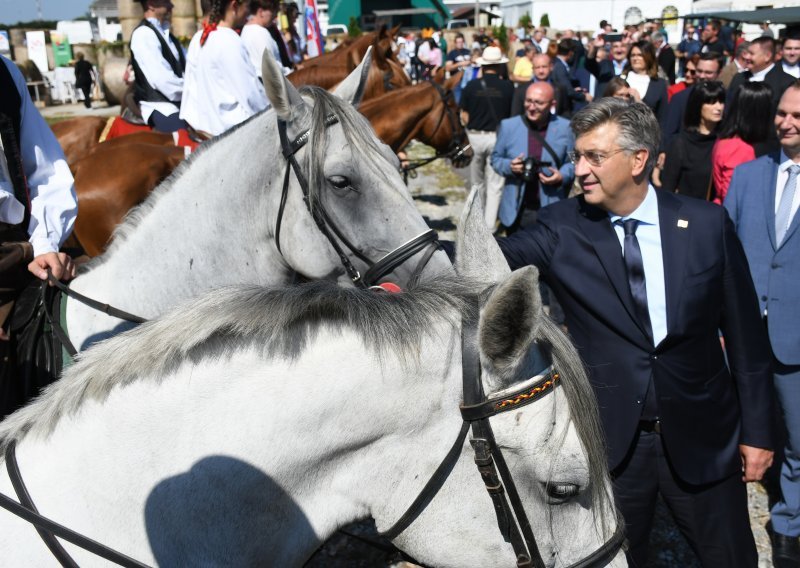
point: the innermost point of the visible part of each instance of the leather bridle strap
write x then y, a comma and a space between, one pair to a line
49, 529
401, 254
99, 306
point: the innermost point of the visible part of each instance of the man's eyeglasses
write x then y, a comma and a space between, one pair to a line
594, 158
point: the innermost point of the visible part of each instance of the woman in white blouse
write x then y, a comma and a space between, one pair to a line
221, 88
641, 73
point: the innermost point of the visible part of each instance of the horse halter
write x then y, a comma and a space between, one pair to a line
476, 411
456, 151
376, 269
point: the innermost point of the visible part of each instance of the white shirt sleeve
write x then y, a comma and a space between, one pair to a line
54, 204
242, 80
147, 50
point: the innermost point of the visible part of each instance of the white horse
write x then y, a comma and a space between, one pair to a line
245, 428
213, 222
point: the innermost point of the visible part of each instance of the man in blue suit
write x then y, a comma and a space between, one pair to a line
762, 201
544, 136
646, 280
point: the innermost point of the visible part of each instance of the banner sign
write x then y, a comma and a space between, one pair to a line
314, 41
37, 50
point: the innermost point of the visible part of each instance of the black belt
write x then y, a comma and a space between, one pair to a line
650, 426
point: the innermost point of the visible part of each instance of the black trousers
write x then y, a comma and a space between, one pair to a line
713, 518
170, 123
87, 94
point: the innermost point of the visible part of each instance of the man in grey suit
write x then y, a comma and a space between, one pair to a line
762, 201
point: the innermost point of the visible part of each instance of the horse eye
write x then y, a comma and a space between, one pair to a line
560, 492
340, 182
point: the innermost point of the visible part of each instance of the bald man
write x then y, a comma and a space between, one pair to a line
542, 73
543, 136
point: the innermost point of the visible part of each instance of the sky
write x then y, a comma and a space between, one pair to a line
13, 11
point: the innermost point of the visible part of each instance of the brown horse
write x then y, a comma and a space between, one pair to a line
108, 186
426, 112
78, 136
351, 52
385, 74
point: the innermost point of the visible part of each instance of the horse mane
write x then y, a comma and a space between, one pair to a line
278, 322
357, 131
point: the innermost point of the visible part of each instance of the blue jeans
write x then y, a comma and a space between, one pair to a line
786, 512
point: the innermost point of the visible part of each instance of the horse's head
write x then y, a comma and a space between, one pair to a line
442, 128
545, 424
343, 207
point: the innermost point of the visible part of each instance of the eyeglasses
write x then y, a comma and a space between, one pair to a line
594, 158
690, 71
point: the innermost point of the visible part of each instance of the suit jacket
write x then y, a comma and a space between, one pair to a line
706, 409
512, 140
775, 269
673, 117
566, 81
777, 79
728, 73
666, 60
656, 98
603, 71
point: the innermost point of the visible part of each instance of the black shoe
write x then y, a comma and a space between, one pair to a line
785, 551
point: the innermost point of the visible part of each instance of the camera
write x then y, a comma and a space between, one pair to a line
531, 167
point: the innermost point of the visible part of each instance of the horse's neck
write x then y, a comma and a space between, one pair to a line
286, 451
208, 230
404, 121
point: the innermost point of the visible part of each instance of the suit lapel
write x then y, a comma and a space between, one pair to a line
596, 225
771, 174
675, 241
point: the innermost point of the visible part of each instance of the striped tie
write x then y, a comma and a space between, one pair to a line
783, 217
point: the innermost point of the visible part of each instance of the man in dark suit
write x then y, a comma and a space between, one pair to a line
605, 69
708, 69
664, 55
761, 66
646, 280
762, 201
564, 79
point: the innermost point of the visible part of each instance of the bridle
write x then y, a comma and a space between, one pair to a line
459, 142
376, 269
476, 411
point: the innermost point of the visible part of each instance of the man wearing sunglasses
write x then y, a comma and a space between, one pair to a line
647, 279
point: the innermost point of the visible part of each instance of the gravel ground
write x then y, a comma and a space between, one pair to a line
439, 192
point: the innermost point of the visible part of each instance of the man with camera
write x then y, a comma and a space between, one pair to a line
531, 153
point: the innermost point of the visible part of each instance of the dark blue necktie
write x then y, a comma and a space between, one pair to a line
634, 266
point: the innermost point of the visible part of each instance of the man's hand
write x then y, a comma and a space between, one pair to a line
755, 462
59, 263
518, 165
554, 179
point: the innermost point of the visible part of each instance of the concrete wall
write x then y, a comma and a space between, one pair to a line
585, 15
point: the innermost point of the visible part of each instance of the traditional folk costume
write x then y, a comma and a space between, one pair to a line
256, 40
38, 204
222, 88
159, 64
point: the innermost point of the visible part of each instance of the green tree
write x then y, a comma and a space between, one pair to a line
501, 35
525, 21
544, 21
353, 29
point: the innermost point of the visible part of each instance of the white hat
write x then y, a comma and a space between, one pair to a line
492, 56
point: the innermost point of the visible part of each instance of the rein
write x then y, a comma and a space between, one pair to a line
375, 269
475, 412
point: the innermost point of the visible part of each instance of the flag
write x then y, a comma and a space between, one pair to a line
313, 34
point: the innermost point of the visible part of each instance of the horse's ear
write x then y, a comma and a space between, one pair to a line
393, 31
509, 320
438, 75
477, 255
379, 56
283, 96
352, 88
454, 80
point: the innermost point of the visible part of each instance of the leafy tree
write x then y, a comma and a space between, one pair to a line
544, 21
525, 21
353, 29
501, 35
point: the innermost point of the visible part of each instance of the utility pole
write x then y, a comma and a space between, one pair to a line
477, 13
39, 10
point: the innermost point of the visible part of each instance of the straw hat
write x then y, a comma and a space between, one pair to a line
492, 56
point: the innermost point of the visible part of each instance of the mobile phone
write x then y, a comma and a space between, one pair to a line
611, 38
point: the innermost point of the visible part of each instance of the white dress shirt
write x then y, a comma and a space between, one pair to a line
648, 233
759, 77
783, 175
147, 50
793, 70
222, 88
256, 39
54, 205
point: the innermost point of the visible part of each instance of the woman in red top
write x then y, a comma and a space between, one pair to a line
688, 79
747, 124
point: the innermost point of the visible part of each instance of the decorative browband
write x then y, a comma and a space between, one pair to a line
517, 399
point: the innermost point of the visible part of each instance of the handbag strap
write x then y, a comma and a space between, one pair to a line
544, 143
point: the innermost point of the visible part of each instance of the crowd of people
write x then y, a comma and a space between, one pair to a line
682, 302
715, 124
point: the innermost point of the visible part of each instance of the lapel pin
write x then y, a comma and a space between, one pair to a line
683, 223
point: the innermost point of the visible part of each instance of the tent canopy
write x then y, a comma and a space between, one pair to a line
772, 15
